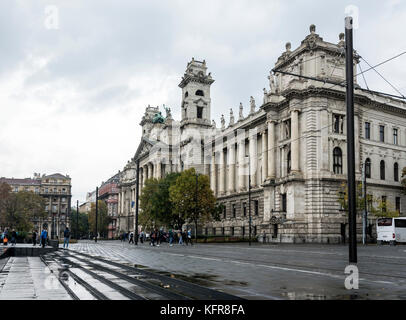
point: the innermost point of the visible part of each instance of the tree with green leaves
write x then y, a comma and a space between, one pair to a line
103, 220
184, 195
82, 226
383, 209
155, 204
19, 210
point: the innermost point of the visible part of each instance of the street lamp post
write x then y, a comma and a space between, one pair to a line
197, 182
249, 199
97, 200
77, 219
137, 191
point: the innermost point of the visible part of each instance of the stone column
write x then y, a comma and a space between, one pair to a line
231, 168
241, 167
150, 168
159, 170
213, 173
253, 159
295, 144
264, 156
222, 173
271, 149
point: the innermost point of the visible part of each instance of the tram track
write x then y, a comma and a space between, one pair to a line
98, 269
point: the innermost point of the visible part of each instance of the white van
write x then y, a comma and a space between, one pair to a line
391, 230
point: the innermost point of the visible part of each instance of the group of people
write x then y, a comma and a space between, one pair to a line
158, 236
6, 235
43, 237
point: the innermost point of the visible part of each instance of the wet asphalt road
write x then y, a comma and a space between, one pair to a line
281, 271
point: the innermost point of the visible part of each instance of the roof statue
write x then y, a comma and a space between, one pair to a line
158, 118
241, 115
223, 122
214, 124
231, 117
252, 104
168, 112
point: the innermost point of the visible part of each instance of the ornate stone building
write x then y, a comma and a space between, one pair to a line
291, 149
56, 189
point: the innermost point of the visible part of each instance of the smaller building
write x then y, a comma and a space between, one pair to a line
108, 192
56, 190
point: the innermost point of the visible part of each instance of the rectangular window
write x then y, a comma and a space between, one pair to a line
214, 231
244, 209
275, 231
382, 133
199, 112
234, 211
256, 206
243, 231
367, 130
255, 230
225, 212
283, 202
398, 204
395, 136
223, 231
232, 231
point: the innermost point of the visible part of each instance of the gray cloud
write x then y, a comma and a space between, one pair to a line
72, 98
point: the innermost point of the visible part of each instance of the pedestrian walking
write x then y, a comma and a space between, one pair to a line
153, 236
189, 237
142, 237
158, 237
180, 238
34, 238
13, 237
66, 236
170, 237
44, 236
131, 238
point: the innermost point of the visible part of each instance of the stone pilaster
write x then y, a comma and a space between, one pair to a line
264, 156
295, 144
271, 149
241, 167
213, 173
253, 159
231, 168
222, 173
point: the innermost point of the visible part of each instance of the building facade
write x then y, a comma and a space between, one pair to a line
56, 190
289, 152
108, 192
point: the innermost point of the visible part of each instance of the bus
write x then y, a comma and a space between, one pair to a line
392, 230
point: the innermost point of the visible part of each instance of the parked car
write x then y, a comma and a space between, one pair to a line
392, 230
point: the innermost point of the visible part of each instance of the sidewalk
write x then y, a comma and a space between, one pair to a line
28, 278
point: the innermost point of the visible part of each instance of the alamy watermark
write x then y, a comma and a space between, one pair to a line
351, 282
51, 21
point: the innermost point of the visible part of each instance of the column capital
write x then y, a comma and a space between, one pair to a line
270, 121
295, 110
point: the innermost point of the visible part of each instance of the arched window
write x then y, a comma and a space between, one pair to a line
337, 161
200, 93
396, 171
186, 94
289, 162
382, 170
368, 168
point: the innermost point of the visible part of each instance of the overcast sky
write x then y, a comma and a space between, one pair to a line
74, 86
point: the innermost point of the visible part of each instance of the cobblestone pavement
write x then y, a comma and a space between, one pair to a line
27, 278
269, 271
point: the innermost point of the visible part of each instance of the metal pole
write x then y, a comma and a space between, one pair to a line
197, 181
97, 200
352, 205
77, 219
249, 198
137, 186
363, 194
365, 204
